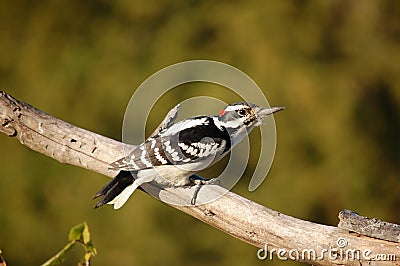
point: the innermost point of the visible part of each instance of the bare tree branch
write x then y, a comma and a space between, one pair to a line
352, 221
231, 213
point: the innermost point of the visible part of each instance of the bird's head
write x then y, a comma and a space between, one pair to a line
243, 116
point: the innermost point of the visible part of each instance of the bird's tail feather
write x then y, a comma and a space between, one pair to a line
122, 197
118, 190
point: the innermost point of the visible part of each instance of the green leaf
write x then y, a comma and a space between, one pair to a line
85, 234
90, 248
80, 233
76, 232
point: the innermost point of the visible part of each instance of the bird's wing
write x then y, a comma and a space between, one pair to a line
168, 121
184, 142
147, 155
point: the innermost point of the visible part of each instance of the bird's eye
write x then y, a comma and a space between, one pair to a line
242, 112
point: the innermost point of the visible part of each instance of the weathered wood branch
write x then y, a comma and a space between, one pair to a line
376, 228
244, 219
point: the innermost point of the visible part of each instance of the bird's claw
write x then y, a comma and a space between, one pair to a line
200, 181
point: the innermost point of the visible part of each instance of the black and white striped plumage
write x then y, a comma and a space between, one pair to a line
176, 152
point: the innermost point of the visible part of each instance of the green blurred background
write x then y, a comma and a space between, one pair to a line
335, 65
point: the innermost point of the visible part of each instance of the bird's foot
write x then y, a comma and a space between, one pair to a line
200, 181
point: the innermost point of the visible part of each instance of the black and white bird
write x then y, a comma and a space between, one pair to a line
175, 153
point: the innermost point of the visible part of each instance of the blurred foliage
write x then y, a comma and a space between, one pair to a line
333, 64
79, 234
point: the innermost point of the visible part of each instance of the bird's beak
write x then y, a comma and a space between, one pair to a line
264, 112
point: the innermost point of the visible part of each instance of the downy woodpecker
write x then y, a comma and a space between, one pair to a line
172, 156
